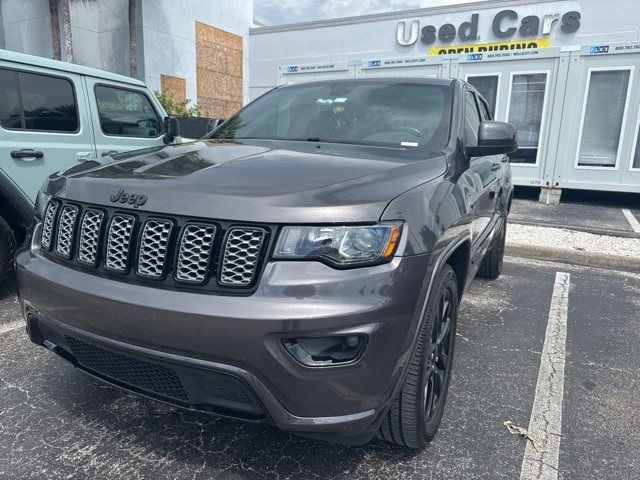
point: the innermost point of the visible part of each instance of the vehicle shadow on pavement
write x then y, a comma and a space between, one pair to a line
154, 440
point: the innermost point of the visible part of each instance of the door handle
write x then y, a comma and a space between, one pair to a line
496, 166
26, 153
110, 152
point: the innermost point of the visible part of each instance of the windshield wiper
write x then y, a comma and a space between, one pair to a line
314, 139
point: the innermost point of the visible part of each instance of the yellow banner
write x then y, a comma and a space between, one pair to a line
491, 47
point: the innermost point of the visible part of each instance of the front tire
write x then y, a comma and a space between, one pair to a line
415, 415
7, 250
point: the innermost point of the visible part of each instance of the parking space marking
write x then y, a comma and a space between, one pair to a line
633, 221
9, 327
545, 424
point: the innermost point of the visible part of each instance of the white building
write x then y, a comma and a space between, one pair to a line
195, 49
565, 72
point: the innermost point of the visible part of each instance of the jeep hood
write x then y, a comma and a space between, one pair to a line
258, 181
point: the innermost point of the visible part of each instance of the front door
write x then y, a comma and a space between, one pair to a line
44, 125
124, 117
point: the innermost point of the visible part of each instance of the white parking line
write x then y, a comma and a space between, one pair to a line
9, 327
545, 424
633, 221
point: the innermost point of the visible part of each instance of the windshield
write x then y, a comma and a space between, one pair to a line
392, 114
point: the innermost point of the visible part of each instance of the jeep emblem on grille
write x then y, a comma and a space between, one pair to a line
130, 198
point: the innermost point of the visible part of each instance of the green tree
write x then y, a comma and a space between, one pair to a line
179, 108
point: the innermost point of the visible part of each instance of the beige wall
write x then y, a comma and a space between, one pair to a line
218, 71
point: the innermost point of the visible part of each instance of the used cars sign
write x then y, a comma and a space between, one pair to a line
505, 24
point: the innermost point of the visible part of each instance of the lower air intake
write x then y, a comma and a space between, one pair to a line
147, 376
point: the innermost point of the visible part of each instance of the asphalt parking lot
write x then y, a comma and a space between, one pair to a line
56, 422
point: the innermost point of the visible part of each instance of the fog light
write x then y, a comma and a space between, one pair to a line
325, 351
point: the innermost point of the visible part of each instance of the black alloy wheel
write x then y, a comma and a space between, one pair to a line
415, 414
437, 365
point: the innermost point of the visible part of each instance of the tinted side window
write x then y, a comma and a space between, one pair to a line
10, 111
471, 120
45, 103
126, 113
485, 113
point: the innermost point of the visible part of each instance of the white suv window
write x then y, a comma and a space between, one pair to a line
35, 102
126, 113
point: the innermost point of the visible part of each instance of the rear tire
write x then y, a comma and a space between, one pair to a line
7, 250
415, 415
491, 266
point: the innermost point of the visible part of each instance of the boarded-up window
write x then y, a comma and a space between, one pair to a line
174, 87
219, 71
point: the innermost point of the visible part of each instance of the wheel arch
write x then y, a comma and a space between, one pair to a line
460, 259
15, 208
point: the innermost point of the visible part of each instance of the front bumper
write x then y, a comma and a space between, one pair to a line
224, 354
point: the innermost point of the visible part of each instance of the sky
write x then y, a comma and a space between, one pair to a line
277, 12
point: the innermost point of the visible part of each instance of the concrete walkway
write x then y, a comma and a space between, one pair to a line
588, 228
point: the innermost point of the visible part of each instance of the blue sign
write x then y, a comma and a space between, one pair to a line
373, 63
472, 57
599, 49
292, 69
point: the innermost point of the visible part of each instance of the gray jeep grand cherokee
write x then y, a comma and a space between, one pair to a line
303, 265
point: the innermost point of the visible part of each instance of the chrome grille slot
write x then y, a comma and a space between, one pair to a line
66, 230
154, 243
194, 254
241, 256
119, 242
90, 229
48, 224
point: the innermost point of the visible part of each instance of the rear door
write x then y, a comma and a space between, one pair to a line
125, 117
44, 124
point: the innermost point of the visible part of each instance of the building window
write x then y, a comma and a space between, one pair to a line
37, 102
487, 85
526, 108
126, 113
602, 118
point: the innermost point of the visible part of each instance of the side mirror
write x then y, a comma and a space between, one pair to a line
494, 138
214, 123
171, 130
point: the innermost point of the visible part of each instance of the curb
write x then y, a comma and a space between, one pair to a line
609, 232
574, 257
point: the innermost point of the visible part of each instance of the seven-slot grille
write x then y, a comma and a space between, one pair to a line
154, 247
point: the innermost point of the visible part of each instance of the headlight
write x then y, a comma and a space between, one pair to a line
341, 246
